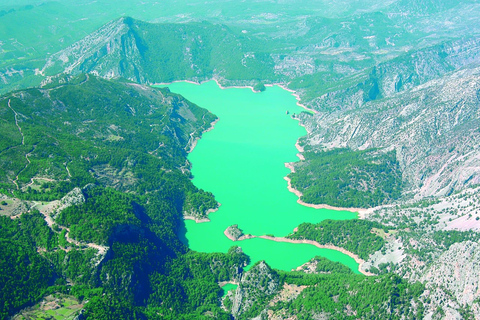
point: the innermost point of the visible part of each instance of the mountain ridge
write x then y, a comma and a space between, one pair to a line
130, 49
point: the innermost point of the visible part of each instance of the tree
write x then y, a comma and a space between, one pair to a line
259, 87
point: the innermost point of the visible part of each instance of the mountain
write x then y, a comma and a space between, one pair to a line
405, 126
94, 192
384, 79
95, 183
95, 180
425, 7
145, 52
432, 128
275, 43
69, 118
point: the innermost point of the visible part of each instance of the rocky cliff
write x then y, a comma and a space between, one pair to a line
432, 128
257, 286
457, 272
112, 51
401, 73
152, 53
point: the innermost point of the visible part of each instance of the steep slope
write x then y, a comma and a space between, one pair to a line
416, 113
456, 271
392, 76
423, 7
117, 151
432, 128
87, 129
146, 52
308, 45
115, 39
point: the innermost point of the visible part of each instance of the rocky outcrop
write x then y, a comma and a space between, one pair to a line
152, 53
399, 74
13, 207
460, 211
234, 233
430, 249
457, 271
73, 198
432, 128
256, 286
111, 51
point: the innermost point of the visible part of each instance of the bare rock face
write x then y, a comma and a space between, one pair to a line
110, 52
401, 74
441, 306
423, 105
458, 271
256, 285
15, 207
433, 128
72, 198
234, 232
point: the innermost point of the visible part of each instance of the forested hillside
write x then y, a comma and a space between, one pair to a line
114, 242
131, 49
89, 130
346, 178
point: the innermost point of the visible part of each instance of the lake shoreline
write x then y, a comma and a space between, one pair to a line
295, 94
204, 81
197, 220
352, 255
281, 85
242, 237
215, 240
204, 219
315, 206
212, 126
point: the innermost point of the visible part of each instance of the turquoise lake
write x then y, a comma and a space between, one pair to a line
242, 162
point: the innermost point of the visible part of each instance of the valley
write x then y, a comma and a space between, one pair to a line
241, 161
119, 200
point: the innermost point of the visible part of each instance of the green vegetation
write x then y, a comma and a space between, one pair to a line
125, 147
126, 150
196, 51
259, 87
135, 187
26, 275
342, 296
55, 306
448, 238
323, 265
30, 229
142, 274
77, 265
58, 141
206, 43
94, 221
353, 235
258, 286
428, 245
346, 178
198, 202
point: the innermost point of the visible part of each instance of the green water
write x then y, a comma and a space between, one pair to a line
242, 162
228, 287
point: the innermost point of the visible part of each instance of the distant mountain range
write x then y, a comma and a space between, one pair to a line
135, 50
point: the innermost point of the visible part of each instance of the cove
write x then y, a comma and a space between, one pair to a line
228, 287
242, 162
